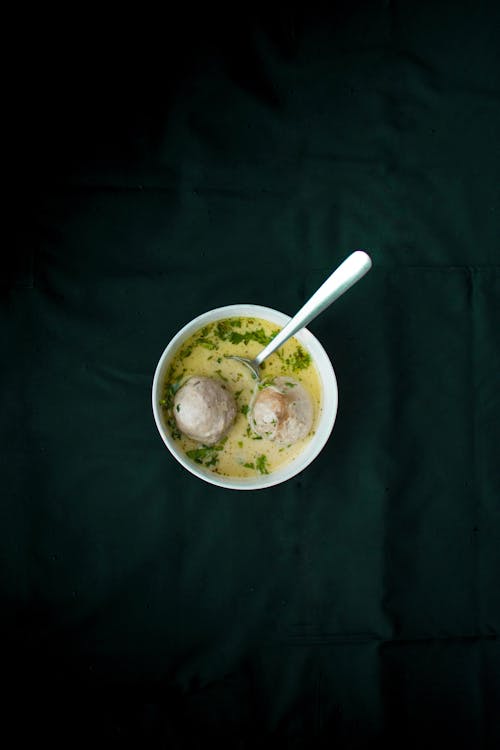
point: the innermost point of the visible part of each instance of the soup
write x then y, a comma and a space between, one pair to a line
241, 452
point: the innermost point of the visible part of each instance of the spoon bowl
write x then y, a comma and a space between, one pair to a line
250, 363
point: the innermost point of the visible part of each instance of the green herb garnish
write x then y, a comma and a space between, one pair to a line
251, 434
171, 389
207, 343
299, 360
264, 383
224, 330
207, 455
186, 351
174, 430
261, 464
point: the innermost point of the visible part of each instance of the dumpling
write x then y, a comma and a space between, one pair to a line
204, 409
282, 411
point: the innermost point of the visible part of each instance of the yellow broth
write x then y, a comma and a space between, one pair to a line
241, 453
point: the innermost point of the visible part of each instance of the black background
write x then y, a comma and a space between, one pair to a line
159, 165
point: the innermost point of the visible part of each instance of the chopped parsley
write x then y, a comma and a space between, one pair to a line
167, 402
264, 383
186, 351
207, 343
174, 430
207, 455
251, 434
261, 464
224, 330
299, 360
171, 389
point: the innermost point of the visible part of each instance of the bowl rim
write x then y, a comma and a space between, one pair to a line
329, 403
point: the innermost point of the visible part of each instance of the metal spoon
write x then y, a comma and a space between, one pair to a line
346, 275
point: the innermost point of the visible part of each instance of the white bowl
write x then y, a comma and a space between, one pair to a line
326, 417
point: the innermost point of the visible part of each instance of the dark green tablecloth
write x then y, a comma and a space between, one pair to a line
194, 161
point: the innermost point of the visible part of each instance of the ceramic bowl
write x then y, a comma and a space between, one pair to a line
326, 417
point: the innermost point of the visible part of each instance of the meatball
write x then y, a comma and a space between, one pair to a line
282, 411
204, 409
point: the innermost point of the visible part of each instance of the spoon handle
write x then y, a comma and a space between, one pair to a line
348, 273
